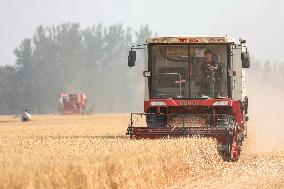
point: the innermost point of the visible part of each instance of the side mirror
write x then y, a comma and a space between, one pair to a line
131, 58
245, 60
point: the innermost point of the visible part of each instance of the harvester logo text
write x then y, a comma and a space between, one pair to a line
188, 103
184, 40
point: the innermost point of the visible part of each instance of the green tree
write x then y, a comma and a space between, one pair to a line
8, 95
66, 58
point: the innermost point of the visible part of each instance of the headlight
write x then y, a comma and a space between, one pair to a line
221, 103
158, 103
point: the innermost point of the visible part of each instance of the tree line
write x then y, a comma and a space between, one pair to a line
67, 58
93, 60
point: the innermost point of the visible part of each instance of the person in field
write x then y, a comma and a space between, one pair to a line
26, 116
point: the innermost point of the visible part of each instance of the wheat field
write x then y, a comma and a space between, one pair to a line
92, 151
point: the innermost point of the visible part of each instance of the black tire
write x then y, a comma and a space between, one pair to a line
246, 105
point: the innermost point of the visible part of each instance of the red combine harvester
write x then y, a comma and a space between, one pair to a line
73, 103
194, 86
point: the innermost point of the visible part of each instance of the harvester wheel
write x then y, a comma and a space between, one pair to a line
233, 153
246, 105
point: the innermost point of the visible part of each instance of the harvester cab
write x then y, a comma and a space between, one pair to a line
194, 86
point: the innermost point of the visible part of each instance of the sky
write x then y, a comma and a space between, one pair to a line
260, 22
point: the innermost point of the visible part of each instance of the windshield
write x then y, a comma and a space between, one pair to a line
188, 71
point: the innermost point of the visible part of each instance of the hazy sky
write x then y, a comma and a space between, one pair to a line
261, 22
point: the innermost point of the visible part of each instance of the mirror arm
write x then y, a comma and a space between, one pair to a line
138, 47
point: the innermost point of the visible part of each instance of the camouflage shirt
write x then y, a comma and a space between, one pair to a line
213, 69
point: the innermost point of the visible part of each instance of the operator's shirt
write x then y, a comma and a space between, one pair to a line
210, 69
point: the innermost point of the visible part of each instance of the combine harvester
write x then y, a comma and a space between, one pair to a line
194, 86
73, 103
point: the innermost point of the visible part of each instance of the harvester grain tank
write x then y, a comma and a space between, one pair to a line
194, 86
73, 103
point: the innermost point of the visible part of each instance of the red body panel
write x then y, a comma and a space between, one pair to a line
185, 102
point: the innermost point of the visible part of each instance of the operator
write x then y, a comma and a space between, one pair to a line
211, 75
25, 116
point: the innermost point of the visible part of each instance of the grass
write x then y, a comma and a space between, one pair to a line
92, 151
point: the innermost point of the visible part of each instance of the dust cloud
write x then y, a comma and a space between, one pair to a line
266, 112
